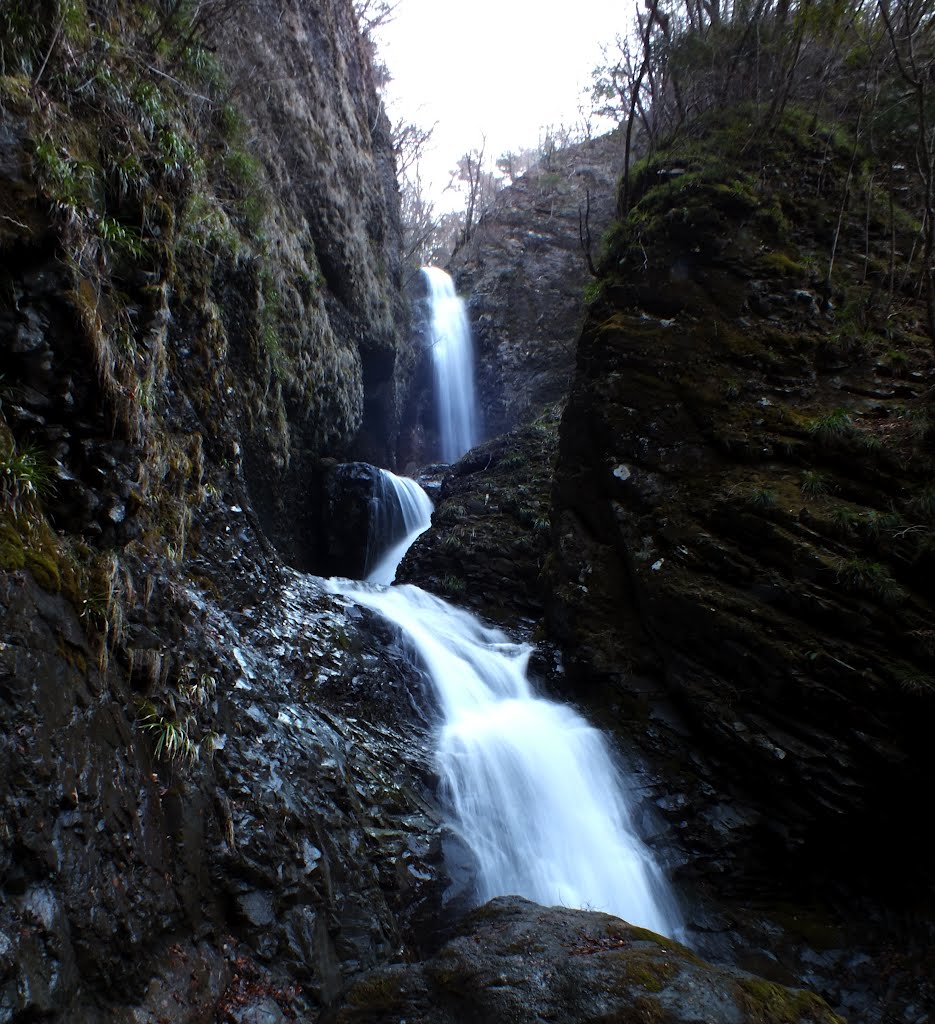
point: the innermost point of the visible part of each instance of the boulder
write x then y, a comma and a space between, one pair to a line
511, 960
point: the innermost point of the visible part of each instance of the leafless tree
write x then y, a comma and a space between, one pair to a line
371, 14
409, 142
910, 28
479, 184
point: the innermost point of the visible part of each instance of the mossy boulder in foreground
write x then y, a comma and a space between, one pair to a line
514, 961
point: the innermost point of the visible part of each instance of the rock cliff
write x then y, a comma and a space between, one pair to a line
523, 275
524, 272
200, 307
741, 567
735, 559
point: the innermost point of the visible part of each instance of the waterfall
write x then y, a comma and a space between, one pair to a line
400, 511
453, 360
530, 787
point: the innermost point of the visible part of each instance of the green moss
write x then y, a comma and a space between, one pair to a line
378, 992
646, 970
12, 549
28, 542
44, 567
767, 1003
782, 264
669, 945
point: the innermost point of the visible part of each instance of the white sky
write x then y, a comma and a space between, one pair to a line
500, 68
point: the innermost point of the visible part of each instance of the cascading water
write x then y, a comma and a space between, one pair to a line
531, 788
400, 511
453, 360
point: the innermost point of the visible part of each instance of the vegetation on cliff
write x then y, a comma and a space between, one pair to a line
862, 68
185, 313
200, 301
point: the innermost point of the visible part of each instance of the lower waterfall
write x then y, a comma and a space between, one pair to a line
400, 511
530, 787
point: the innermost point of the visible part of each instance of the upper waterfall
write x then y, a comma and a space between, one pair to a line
453, 361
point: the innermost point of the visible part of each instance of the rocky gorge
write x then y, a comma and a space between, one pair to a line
704, 496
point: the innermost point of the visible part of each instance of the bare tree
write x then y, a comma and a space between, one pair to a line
420, 224
910, 28
371, 14
409, 142
479, 185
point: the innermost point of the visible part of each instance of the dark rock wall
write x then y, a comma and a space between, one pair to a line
199, 305
295, 845
741, 573
735, 561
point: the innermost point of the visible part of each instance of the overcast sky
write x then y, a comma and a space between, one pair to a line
504, 68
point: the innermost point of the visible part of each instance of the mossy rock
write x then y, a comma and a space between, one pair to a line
513, 960
768, 1003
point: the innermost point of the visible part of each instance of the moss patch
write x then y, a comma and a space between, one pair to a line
766, 1003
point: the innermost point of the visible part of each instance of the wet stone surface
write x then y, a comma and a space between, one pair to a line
306, 829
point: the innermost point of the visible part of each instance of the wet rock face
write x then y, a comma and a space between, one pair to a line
299, 842
346, 534
513, 960
490, 529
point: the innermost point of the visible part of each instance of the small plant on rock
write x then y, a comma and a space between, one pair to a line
857, 574
833, 428
845, 520
917, 684
815, 483
454, 585
172, 738
924, 502
24, 477
762, 497
876, 524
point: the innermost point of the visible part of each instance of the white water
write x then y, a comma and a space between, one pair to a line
402, 510
453, 360
531, 788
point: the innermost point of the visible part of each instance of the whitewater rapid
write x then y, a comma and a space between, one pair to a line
532, 789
